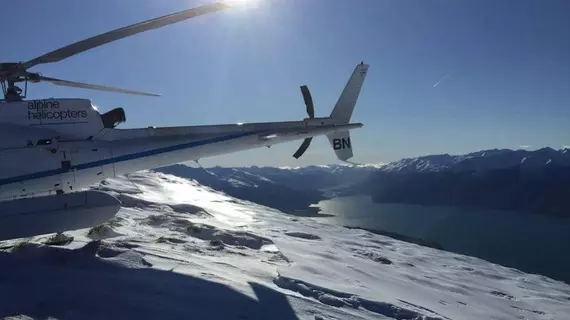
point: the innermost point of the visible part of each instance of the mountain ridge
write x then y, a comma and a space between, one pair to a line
479, 160
529, 181
492, 178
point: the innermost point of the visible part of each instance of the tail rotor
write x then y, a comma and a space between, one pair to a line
311, 113
341, 114
308, 101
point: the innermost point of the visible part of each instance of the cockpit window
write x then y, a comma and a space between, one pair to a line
113, 118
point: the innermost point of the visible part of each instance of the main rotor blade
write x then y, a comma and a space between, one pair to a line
117, 34
303, 147
308, 101
66, 83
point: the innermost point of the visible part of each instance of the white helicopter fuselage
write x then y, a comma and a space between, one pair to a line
52, 149
62, 145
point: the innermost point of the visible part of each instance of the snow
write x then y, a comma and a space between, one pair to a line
480, 160
178, 250
335, 166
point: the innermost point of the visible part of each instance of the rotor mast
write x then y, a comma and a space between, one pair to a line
10, 74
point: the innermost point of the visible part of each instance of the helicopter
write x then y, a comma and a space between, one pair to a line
52, 150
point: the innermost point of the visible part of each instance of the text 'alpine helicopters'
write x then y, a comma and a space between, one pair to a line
51, 149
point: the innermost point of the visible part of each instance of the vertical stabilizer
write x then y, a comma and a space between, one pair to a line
342, 112
345, 105
342, 146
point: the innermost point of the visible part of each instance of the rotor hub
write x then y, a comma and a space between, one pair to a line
11, 71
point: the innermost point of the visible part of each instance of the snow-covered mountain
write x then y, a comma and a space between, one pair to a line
482, 161
529, 181
179, 250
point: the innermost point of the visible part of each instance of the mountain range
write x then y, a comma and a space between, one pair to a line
535, 181
484, 160
530, 181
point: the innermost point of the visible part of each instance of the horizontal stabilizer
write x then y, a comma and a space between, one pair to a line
307, 132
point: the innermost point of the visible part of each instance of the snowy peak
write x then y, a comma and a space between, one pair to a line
483, 160
520, 180
335, 168
426, 163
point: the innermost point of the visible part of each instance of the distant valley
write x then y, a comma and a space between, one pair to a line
286, 189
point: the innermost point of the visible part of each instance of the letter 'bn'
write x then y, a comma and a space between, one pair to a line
341, 143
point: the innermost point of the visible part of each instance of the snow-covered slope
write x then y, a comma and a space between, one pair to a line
285, 189
178, 250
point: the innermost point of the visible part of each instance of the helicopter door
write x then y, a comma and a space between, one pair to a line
67, 178
108, 168
25, 162
87, 167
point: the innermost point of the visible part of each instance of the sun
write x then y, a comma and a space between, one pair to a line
243, 3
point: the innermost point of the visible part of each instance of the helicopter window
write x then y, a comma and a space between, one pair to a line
113, 118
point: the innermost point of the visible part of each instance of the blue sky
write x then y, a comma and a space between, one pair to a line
507, 65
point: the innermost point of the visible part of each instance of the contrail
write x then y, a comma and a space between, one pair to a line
440, 80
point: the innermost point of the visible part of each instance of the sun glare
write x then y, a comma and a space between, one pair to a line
243, 3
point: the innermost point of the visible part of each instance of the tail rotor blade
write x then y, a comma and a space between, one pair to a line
311, 112
308, 101
303, 148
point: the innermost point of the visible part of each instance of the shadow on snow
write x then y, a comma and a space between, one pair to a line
41, 282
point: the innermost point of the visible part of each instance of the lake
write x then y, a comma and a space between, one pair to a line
529, 242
